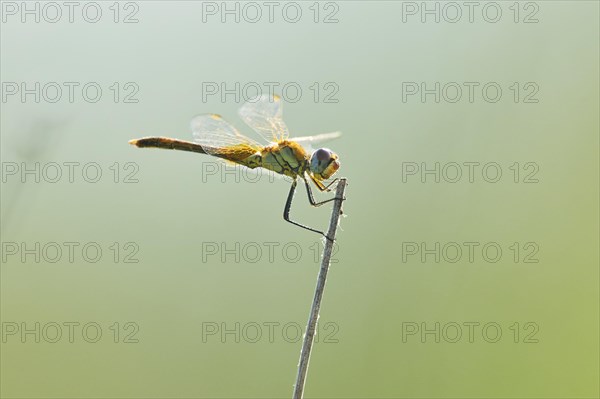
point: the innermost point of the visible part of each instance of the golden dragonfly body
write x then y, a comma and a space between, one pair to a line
283, 155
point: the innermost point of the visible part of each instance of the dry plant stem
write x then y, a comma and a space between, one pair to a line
316, 305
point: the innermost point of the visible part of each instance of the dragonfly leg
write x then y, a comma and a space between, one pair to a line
330, 184
286, 212
311, 199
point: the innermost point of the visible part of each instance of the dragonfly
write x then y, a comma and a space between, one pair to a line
212, 135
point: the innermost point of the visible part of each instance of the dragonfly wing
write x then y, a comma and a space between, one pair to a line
317, 138
264, 115
218, 137
310, 142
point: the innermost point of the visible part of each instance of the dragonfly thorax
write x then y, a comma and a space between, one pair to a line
286, 158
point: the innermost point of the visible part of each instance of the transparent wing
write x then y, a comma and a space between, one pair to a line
317, 138
217, 137
264, 115
310, 143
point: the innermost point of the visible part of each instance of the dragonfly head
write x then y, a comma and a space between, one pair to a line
324, 163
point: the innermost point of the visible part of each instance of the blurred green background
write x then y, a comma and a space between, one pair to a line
168, 211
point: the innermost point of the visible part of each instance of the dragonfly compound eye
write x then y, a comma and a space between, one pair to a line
324, 163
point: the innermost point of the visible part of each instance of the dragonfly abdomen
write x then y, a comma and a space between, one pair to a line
168, 143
